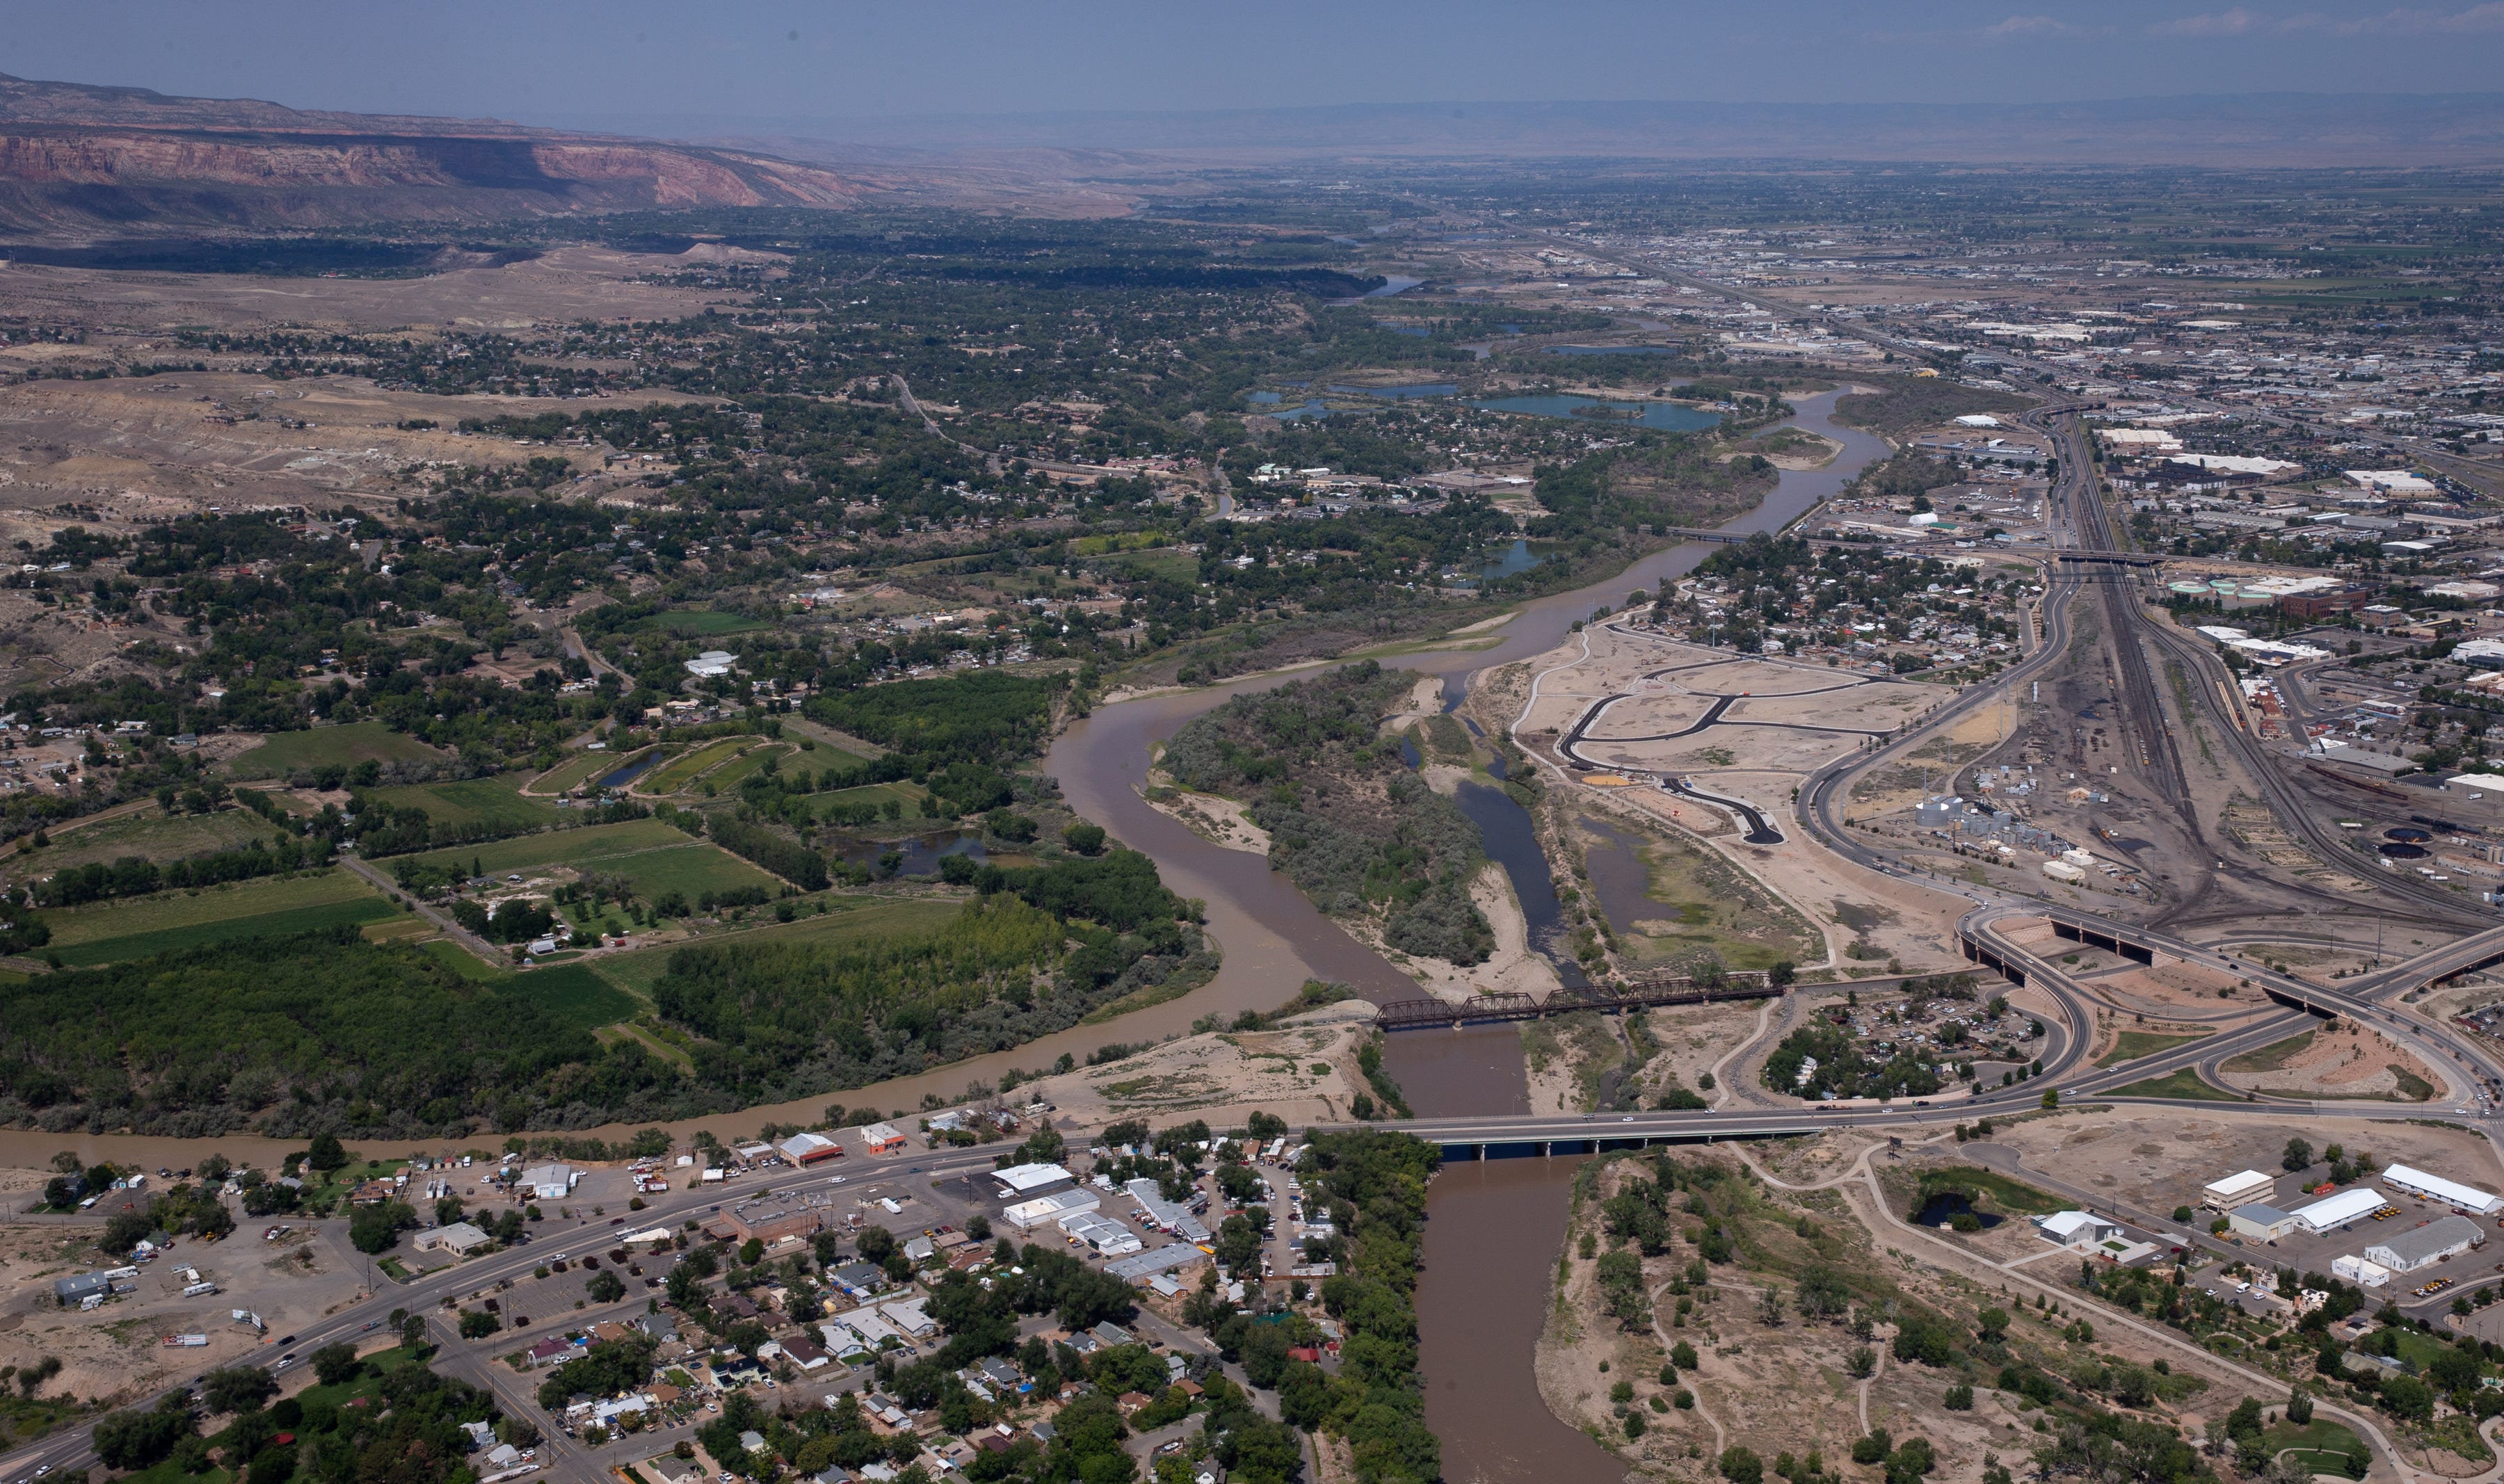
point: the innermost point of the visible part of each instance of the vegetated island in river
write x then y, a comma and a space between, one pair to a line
1358, 831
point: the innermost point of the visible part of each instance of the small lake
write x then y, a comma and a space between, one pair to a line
1413, 332
1669, 416
1620, 880
1267, 402
1518, 558
1392, 285
633, 771
921, 852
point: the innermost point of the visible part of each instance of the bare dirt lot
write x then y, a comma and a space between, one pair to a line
2156, 1162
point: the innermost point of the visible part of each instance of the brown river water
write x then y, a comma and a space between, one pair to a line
1495, 1226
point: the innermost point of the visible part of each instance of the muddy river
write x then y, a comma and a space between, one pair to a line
1495, 1225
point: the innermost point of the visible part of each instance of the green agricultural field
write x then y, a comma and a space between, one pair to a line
462, 961
496, 803
149, 833
569, 991
572, 994
209, 904
355, 742
907, 797
728, 777
705, 623
2132, 1045
653, 857
279, 924
848, 918
678, 772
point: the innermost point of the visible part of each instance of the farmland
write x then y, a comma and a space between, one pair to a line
707, 623
112, 932
495, 804
849, 919
149, 833
680, 771
285, 752
654, 858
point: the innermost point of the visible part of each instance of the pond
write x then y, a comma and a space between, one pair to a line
633, 771
1946, 1206
1517, 558
1393, 284
921, 852
1620, 878
1669, 416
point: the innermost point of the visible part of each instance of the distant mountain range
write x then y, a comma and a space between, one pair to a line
80, 162
76, 158
2247, 130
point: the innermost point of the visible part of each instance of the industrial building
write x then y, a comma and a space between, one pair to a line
1027, 1180
882, 1139
1163, 1213
548, 1182
2358, 1270
2339, 1210
803, 1149
1140, 1266
1102, 1234
1027, 1215
2237, 1190
2405, 1252
2449, 1193
2258, 1222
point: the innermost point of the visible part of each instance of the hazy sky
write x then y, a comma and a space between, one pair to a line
562, 61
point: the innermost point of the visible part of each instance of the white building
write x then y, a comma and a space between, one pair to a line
2390, 481
548, 1182
2254, 1222
2449, 1193
2076, 1228
1028, 1178
461, 1239
2405, 1252
712, 662
2339, 1209
1027, 1215
2237, 1190
2359, 1271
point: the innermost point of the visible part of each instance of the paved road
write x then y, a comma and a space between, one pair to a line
354, 1321
441, 918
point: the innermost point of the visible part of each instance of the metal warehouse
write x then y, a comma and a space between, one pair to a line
2339, 1209
2449, 1191
1026, 1214
2259, 1223
2424, 1246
